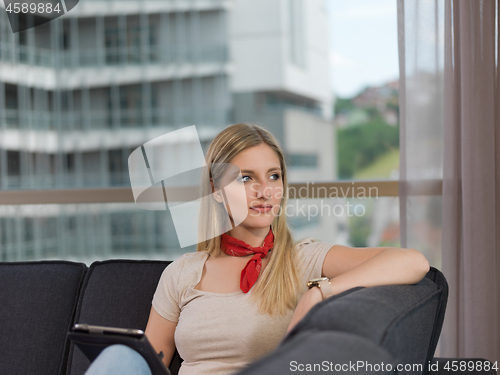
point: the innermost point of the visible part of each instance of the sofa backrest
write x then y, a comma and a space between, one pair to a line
405, 320
116, 293
37, 302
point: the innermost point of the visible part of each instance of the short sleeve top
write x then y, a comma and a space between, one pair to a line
223, 332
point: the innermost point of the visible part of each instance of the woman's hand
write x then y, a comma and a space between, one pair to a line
306, 302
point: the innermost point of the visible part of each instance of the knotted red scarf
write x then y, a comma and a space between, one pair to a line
238, 248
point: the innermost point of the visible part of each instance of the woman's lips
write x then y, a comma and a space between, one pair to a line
261, 209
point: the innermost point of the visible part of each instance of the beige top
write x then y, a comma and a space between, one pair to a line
221, 333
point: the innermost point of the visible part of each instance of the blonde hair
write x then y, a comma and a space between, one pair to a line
278, 285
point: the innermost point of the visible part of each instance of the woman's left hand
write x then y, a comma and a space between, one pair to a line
306, 302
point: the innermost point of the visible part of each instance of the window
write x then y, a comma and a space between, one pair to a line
192, 85
303, 160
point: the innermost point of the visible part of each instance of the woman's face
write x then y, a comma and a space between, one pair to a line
262, 179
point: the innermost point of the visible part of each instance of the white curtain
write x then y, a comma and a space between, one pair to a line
450, 132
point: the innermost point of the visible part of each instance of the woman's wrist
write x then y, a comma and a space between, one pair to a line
334, 287
339, 286
324, 285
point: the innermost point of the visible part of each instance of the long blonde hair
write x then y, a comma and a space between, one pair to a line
277, 287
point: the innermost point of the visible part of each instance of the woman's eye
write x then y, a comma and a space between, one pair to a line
276, 177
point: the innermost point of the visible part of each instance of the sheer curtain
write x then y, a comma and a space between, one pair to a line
450, 132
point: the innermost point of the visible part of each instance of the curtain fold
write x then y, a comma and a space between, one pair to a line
450, 131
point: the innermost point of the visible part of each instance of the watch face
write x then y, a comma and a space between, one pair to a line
315, 282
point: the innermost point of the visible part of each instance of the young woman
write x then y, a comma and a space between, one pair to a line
235, 298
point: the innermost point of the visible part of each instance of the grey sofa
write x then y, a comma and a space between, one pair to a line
40, 301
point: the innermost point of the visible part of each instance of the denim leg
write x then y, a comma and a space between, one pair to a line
119, 359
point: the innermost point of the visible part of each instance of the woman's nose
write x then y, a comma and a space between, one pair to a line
263, 190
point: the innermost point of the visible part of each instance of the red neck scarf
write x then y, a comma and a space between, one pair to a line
238, 248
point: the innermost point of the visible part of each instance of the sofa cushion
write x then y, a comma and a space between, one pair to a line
321, 352
37, 302
116, 293
399, 318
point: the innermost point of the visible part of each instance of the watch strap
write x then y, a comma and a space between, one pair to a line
326, 288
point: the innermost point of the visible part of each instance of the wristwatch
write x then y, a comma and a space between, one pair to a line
323, 283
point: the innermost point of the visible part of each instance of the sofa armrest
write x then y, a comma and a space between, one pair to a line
314, 351
399, 318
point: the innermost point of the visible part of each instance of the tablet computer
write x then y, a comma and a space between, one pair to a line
92, 339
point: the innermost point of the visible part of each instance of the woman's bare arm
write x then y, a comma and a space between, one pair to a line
348, 267
160, 333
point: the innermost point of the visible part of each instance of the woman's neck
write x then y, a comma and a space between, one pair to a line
254, 237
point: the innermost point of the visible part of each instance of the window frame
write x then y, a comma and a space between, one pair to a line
348, 189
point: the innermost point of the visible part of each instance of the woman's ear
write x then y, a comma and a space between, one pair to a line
217, 195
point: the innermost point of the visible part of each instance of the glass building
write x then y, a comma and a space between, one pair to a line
79, 93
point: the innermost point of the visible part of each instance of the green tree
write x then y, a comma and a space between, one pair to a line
360, 145
359, 230
343, 105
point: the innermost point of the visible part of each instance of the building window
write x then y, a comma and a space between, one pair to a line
70, 162
302, 221
303, 160
65, 40
116, 168
131, 105
13, 163
111, 41
134, 43
277, 102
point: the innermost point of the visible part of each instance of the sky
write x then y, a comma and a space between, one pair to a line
363, 44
